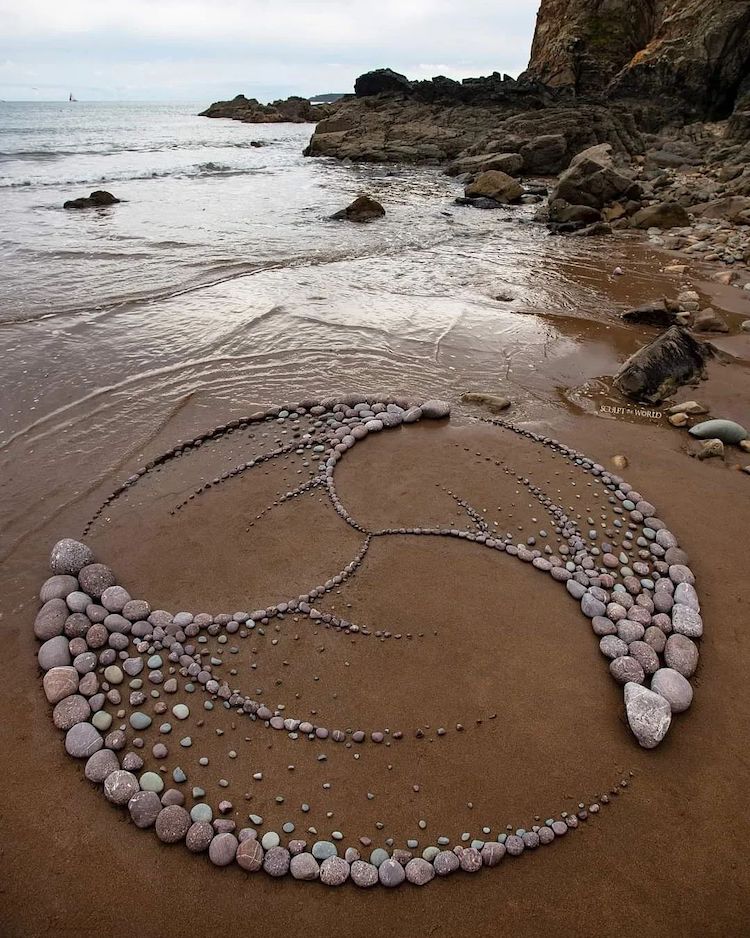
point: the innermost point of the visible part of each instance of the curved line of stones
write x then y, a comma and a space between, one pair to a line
466, 858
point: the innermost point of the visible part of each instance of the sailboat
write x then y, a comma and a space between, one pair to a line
71, 98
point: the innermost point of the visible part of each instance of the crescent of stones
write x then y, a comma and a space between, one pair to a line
645, 612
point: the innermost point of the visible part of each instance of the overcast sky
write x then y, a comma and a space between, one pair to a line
202, 50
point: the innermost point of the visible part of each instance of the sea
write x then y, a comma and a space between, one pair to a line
221, 279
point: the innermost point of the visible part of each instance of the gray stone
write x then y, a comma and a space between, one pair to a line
304, 866
199, 836
725, 430
276, 861
223, 849
445, 862
648, 713
57, 587
390, 872
120, 786
612, 646
686, 621
322, 849
101, 764
250, 855
71, 710
645, 655
435, 410
470, 860
144, 808
492, 853
674, 688
334, 871
172, 824
419, 872
681, 654
50, 620
60, 683
363, 874
69, 557
686, 595
626, 669
82, 741
95, 578
54, 653
590, 606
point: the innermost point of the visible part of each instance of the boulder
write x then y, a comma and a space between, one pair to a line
97, 199
545, 154
381, 81
563, 212
661, 215
363, 208
729, 207
592, 179
655, 371
708, 320
509, 163
496, 185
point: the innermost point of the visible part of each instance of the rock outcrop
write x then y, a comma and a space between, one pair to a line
97, 199
655, 371
293, 110
691, 58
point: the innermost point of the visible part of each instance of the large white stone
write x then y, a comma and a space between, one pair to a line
649, 715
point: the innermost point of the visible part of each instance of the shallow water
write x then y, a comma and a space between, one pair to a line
220, 282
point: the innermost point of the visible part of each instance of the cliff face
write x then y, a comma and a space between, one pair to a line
690, 56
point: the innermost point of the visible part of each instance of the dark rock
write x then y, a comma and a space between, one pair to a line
655, 371
293, 110
661, 215
651, 314
97, 199
381, 81
592, 179
363, 208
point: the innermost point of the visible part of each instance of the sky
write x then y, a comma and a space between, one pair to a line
206, 50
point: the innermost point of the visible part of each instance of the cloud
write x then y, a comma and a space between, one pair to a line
181, 49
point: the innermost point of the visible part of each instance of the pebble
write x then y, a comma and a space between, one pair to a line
674, 688
250, 855
334, 871
223, 849
82, 741
199, 836
151, 781
363, 874
649, 715
120, 786
391, 873
445, 862
144, 808
276, 861
304, 866
172, 824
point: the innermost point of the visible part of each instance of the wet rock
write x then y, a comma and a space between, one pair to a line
544, 154
708, 320
493, 403
509, 163
97, 199
655, 371
648, 713
688, 407
435, 410
362, 209
651, 314
661, 215
496, 185
725, 430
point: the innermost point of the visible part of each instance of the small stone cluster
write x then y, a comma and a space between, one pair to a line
95, 637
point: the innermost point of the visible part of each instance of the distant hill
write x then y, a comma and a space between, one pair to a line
325, 98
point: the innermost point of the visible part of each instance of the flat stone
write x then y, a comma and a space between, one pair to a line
648, 713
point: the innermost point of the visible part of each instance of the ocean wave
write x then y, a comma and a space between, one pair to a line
195, 171
47, 156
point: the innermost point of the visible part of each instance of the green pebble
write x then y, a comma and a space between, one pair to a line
208, 704
444, 841
477, 844
102, 720
154, 662
198, 792
412, 844
270, 839
201, 812
165, 728
178, 775
136, 683
181, 711
288, 828
256, 819
151, 781
140, 720
190, 688
429, 853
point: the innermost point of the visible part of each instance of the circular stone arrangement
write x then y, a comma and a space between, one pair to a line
639, 597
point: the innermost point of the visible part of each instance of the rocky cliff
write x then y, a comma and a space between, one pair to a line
691, 58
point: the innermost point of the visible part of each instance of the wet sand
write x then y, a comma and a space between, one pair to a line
667, 855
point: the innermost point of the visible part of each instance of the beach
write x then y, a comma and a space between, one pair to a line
109, 362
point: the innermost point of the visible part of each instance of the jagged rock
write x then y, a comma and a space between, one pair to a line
97, 199
363, 208
592, 179
495, 185
661, 215
655, 371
